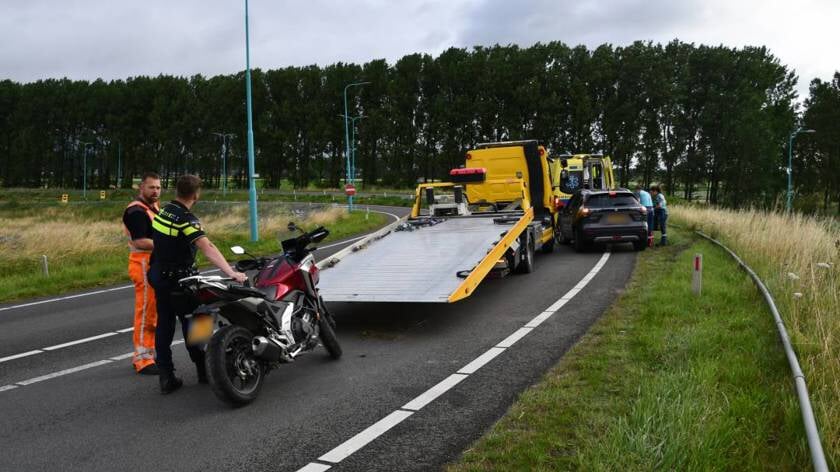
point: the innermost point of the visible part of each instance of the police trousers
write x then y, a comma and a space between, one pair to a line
172, 303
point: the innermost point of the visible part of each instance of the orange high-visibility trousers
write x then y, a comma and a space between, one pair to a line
145, 310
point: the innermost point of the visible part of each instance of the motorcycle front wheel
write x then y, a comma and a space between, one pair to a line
235, 374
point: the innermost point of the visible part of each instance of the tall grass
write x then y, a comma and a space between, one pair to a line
798, 257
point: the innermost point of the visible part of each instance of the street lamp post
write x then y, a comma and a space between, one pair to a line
353, 119
84, 168
799, 130
353, 148
224, 137
347, 140
252, 184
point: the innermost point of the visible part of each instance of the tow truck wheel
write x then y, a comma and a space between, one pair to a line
548, 246
526, 263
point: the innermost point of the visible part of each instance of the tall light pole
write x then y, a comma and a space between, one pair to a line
799, 130
224, 137
252, 184
347, 139
353, 120
84, 168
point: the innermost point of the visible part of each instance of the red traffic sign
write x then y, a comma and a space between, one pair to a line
350, 189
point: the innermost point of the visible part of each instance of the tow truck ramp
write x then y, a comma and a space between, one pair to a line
432, 260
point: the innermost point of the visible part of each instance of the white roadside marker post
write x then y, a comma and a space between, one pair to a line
697, 275
45, 265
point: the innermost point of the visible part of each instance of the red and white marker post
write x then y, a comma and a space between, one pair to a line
697, 275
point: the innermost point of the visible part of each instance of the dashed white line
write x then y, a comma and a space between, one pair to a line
516, 336
64, 372
122, 356
345, 449
314, 467
81, 341
481, 360
71, 370
18, 356
379, 428
431, 394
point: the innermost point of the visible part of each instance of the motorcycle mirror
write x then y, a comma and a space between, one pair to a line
238, 250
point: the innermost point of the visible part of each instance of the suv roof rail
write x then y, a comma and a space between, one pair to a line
505, 143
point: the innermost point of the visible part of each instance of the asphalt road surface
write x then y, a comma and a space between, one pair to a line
418, 383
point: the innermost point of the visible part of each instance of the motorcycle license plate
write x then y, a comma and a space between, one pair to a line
201, 329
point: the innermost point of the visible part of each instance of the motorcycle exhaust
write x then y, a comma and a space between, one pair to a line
265, 349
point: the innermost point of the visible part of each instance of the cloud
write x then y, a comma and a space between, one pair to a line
572, 22
88, 39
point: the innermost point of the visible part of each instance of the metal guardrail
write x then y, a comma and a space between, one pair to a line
813, 434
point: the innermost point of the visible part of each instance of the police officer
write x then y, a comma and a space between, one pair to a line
177, 235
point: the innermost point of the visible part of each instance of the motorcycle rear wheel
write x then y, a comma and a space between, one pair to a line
235, 374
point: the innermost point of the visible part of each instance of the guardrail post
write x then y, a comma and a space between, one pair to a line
697, 275
45, 265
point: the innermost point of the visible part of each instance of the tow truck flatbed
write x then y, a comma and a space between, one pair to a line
409, 261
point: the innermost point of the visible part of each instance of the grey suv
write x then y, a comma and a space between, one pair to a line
603, 216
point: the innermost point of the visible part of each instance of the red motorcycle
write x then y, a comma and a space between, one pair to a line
263, 324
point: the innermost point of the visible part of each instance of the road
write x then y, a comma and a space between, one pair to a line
416, 386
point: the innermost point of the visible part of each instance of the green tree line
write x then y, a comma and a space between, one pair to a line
700, 119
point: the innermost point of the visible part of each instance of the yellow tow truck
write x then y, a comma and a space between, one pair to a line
490, 218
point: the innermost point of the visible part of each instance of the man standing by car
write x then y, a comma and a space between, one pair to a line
137, 225
661, 208
646, 201
177, 236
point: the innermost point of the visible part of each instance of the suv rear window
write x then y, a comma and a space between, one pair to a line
604, 200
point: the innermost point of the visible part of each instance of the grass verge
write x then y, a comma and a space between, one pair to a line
663, 381
86, 248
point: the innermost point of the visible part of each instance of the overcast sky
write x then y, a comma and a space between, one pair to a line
89, 39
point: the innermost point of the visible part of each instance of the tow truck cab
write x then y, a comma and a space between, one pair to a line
506, 164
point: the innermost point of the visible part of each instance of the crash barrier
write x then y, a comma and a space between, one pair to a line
814, 444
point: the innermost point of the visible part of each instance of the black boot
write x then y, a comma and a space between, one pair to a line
201, 370
169, 383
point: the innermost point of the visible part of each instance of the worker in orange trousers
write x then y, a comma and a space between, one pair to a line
137, 224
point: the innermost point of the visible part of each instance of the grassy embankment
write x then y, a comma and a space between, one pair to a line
666, 381
85, 245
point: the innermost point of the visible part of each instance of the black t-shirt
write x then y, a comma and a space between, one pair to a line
137, 221
175, 231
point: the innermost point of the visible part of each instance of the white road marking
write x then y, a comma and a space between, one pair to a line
22, 354
379, 428
314, 467
72, 370
539, 319
343, 450
126, 330
431, 394
516, 336
80, 341
122, 356
481, 360
64, 372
